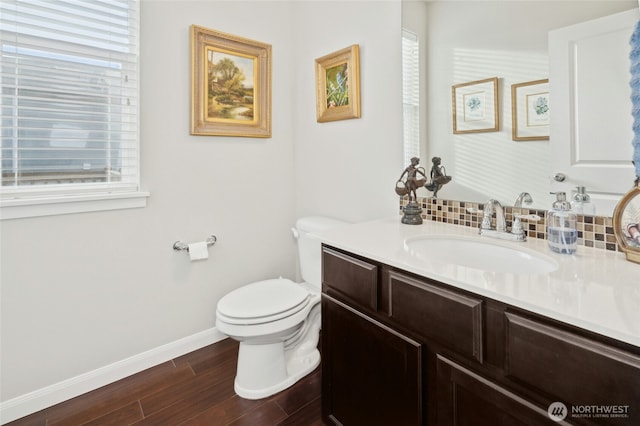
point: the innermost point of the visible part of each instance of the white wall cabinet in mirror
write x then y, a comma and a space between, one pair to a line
591, 129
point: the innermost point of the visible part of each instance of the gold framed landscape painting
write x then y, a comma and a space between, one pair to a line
338, 85
475, 106
230, 85
530, 111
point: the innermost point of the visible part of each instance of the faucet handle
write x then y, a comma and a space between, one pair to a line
486, 216
473, 210
532, 217
516, 228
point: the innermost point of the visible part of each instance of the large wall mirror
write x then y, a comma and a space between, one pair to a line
465, 41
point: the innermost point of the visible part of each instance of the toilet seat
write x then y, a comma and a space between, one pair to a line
263, 302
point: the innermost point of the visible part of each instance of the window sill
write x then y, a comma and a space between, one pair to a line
49, 206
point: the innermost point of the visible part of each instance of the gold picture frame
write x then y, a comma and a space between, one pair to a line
338, 85
475, 106
230, 85
626, 224
530, 114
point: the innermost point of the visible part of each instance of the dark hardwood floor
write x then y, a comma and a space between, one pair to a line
194, 389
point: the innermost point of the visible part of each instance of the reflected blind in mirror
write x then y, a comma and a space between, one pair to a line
410, 95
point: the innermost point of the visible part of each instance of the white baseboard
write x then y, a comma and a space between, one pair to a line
46, 397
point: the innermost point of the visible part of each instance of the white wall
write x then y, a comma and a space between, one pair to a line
349, 168
82, 291
474, 40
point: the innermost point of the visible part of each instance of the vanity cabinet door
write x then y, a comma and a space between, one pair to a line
466, 398
371, 375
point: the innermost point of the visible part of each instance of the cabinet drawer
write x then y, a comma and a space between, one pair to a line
449, 318
571, 368
349, 279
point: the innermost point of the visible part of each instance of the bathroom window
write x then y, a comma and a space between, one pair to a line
69, 101
411, 95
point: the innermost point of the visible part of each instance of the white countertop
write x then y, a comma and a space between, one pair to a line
594, 289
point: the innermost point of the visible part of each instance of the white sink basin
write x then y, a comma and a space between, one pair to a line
479, 254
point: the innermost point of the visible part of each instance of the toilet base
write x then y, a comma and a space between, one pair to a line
266, 369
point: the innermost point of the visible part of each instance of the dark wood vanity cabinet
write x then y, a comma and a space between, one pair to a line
399, 349
371, 374
467, 398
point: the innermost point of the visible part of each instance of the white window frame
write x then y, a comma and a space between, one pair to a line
66, 199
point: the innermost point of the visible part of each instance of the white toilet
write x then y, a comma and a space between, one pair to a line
277, 321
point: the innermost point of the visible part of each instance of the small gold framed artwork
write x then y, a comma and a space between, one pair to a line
626, 224
230, 85
475, 106
338, 85
530, 112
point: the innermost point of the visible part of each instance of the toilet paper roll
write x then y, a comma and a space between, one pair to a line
198, 251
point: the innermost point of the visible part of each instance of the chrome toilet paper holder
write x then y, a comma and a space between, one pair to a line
180, 246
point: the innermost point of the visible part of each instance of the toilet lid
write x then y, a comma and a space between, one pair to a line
263, 301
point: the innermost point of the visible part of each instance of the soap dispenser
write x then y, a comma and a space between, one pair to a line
581, 203
562, 233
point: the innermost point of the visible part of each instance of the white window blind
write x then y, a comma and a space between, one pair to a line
410, 95
69, 73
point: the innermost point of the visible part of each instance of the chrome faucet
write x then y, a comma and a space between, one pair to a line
524, 196
500, 231
501, 223
517, 214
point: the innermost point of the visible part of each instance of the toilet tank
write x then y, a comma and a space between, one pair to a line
309, 248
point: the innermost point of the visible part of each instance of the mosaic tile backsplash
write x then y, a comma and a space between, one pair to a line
593, 231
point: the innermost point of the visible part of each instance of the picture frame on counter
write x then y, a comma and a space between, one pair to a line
338, 85
530, 110
626, 224
230, 85
475, 106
